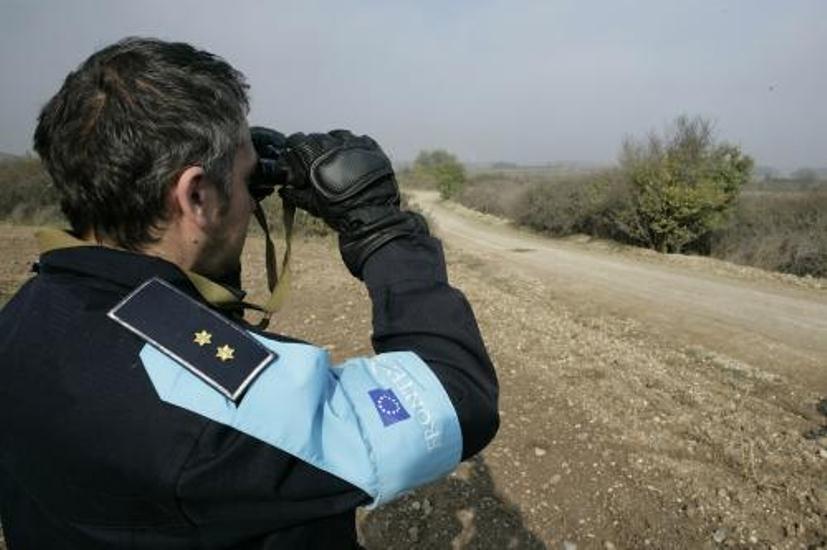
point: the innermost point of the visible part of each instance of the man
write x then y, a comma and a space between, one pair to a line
138, 409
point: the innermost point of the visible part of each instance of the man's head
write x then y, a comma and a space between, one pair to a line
149, 137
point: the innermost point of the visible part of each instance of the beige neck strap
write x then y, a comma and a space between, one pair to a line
279, 286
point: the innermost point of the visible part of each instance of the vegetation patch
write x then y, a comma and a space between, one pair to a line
780, 231
682, 192
27, 194
438, 169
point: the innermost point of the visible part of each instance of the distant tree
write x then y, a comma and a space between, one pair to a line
683, 185
447, 173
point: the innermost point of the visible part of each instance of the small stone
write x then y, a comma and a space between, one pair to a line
753, 539
463, 471
413, 534
415, 505
539, 451
555, 479
426, 507
609, 545
719, 535
822, 453
568, 545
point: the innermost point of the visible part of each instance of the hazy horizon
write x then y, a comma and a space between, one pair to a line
525, 82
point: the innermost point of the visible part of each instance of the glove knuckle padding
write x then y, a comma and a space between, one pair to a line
343, 172
348, 181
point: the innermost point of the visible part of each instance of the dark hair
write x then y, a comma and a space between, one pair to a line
127, 122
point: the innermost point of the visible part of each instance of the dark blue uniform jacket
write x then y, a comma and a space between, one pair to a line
106, 441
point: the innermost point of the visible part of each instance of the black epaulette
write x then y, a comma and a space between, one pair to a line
210, 346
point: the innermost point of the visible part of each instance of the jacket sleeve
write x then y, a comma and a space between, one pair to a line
366, 430
415, 309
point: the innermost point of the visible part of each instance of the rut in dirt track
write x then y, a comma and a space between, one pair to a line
768, 325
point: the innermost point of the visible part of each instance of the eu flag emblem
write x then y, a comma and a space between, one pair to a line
390, 409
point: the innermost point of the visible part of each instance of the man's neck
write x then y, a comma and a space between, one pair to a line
167, 247
224, 295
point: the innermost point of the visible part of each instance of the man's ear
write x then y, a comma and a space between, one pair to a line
192, 198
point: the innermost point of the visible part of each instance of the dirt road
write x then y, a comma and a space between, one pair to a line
767, 324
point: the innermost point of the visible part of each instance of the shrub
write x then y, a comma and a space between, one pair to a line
598, 204
495, 195
443, 168
669, 193
683, 184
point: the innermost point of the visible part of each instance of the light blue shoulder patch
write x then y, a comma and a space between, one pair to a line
384, 423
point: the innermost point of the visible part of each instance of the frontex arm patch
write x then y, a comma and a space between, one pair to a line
198, 339
384, 423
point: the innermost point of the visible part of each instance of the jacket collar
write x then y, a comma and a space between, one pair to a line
62, 251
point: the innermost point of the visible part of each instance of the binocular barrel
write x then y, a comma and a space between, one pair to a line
274, 167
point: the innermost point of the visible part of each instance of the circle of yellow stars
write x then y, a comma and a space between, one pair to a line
223, 353
388, 405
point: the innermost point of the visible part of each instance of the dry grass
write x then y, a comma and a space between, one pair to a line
26, 193
778, 231
495, 194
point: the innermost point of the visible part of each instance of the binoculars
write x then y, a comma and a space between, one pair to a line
276, 163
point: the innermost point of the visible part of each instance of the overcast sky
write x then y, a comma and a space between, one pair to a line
523, 81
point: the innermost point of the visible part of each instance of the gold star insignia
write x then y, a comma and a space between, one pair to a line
225, 353
202, 338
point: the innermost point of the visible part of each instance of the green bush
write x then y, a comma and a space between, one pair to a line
683, 185
669, 193
775, 230
677, 193
443, 168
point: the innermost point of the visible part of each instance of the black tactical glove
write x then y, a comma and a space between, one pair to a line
349, 183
